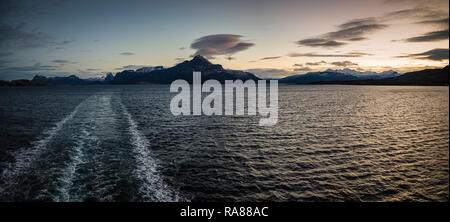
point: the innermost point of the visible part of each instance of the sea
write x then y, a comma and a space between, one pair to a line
331, 143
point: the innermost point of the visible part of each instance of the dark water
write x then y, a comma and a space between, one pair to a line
121, 143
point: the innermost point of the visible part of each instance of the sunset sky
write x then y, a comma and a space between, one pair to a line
268, 38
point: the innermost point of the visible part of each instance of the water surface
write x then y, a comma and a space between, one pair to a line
121, 143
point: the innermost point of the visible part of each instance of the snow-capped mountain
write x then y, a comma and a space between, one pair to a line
337, 75
366, 74
149, 69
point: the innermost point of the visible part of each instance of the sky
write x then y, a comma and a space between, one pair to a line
269, 38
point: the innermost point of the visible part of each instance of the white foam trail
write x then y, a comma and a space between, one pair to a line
153, 188
69, 174
26, 157
77, 155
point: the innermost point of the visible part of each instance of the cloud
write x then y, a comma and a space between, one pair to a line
434, 54
220, 44
180, 59
36, 67
271, 57
431, 11
351, 31
344, 63
356, 29
315, 63
127, 53
303, 69
133, 67
436, 22
63, 61
430, 37
15, 37
6, 54
318, 42
351, 54
3, 62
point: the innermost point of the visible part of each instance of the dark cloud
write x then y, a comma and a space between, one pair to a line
16, 37
351, 54
406, 13
36, 67
315, 63
344, 63
220, 44
353, 30
357, 39
356, 29
303, 69
3, 62
430, 37
133, 67
306, 67
419, 12
6, 54
319, 42
127, 53
271, 57
436, 22
434, 54
63, 61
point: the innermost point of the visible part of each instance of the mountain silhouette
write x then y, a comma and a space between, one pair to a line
427, 77
336, 75
69, 80
183, 71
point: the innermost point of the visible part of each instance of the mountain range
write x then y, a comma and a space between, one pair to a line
427, 77
157, 74
334, 75
183, 70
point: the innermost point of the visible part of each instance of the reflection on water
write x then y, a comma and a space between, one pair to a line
331, 143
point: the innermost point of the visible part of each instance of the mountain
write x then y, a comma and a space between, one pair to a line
182, 71
108, 78
20, 82
317, 77
156, 74
72, 80
69, 80
427, 77
367, 74
149, 69
336, 75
